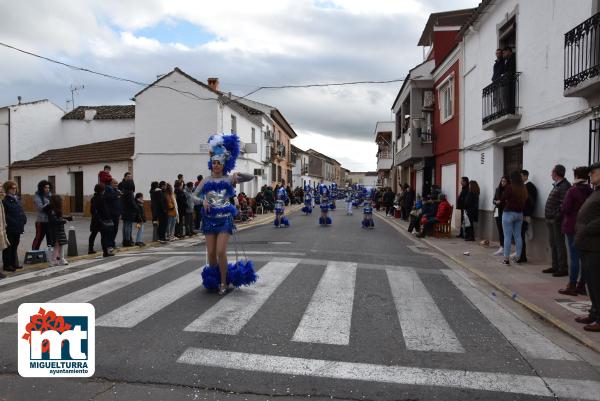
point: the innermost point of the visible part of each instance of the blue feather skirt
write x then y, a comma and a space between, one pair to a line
239, 274
307, 209
216, 225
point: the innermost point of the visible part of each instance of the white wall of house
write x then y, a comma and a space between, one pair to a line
63, 177
34, 128
4, 159
541, 26
172, 131
81, 132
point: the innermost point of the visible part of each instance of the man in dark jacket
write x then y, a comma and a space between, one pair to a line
128, 208
159, 210
498, 65
561, 185
181, 208
15, 226
112, 199
532, 194
460, 203
587, 241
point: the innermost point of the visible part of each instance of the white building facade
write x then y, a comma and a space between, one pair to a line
548, 124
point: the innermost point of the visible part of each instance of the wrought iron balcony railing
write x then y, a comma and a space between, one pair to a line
500, 98
582, 52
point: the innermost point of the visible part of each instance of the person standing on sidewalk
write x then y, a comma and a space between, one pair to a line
574, 198
532, 195
471, 210
3, 237
460, 203
189, 210
41, 199
181, 208
111, 197
560, 267
513, 202
101, 221
498, 209
587, 241
128, 207
197, 208
15, 226
140, 219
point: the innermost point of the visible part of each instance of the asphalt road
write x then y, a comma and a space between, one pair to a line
339, 312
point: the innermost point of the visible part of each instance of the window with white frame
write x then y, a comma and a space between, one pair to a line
446, 99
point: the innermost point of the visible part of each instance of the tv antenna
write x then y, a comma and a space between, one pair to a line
73, 90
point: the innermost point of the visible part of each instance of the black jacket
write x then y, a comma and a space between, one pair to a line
158, 204
111, 197
99, 212
140, 216
460, 202
129, 207
510, 65
532, 194
498, 68
14, 214
497, 197
587, 226
181, 202
472, 206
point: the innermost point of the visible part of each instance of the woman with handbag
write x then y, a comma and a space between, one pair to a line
101, 221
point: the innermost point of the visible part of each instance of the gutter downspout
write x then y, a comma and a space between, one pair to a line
9, 149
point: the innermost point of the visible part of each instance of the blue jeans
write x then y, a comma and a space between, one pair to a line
575, 256
511, 224
127, 229
140, 232
171, 226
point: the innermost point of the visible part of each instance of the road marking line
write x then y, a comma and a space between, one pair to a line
423, 325
28, 289
107, 286
231, 313
164, 251
402, 375
328, 317
524, 337
138, 310
46, 271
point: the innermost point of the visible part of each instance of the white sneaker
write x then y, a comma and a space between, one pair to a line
63, 262
499, 252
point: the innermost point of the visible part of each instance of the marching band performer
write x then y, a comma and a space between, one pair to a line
280, 218
215, 193
333, 195
349, 196
325, 199
367, 221
308, 200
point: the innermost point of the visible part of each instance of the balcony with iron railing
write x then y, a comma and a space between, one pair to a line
500, 102
582, 59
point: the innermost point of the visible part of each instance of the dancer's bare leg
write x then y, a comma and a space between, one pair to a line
211, 249
222, 240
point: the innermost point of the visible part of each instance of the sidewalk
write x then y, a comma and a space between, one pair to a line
82, 230
524, 283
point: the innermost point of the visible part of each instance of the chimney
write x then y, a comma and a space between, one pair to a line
213, 83
19, 99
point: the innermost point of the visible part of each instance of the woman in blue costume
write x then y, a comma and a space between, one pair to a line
324, 205
308, 200
215, 193
333, 196
367, 221
280, 219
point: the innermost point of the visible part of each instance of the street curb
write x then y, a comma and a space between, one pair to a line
264, 219
506, 291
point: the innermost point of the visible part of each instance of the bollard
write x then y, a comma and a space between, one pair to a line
154, 232
72, 247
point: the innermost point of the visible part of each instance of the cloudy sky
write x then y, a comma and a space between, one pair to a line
246, 44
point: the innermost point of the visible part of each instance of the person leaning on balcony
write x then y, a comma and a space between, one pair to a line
510, 69
498, 65
554, 219
574, 198
587, 241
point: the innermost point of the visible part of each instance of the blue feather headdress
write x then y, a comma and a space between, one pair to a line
224, 148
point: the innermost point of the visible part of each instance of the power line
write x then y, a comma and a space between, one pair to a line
185, 93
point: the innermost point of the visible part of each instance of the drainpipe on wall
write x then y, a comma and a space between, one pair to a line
9, 149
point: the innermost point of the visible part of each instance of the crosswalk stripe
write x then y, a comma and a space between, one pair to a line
97, 290
28, 289
524, 337
423, 325
138, 310
401, 375
328, 316
231, 313
45, 272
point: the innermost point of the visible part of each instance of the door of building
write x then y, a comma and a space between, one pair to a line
513, 159
449, 185
78, 192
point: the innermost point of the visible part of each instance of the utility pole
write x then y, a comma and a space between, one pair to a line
73, 90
